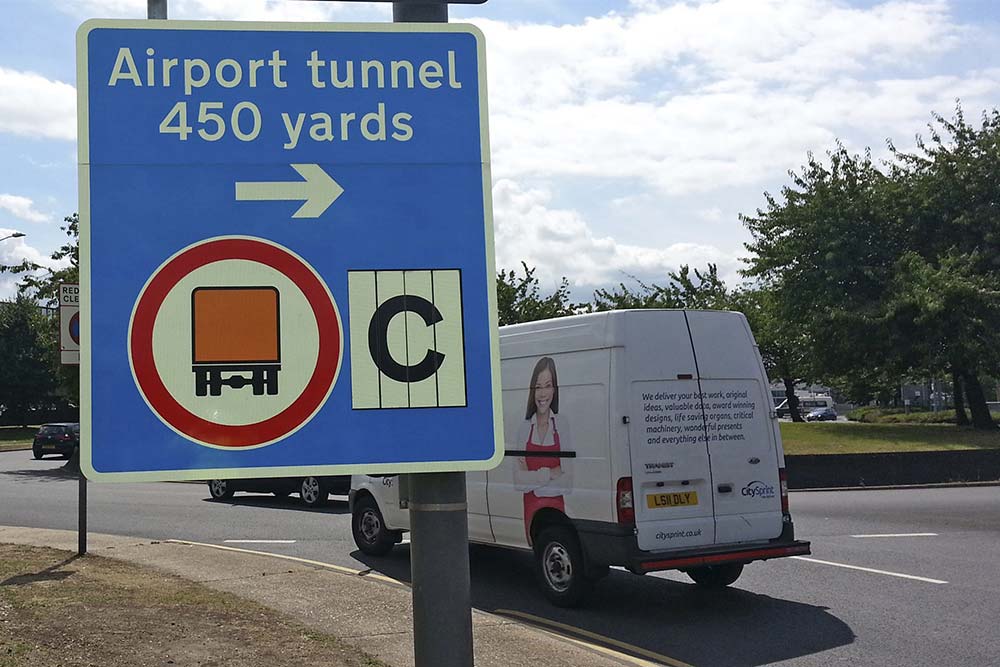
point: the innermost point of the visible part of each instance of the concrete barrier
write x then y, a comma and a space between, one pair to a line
891, 469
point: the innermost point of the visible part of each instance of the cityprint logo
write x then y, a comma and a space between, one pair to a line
661, 536
758, 489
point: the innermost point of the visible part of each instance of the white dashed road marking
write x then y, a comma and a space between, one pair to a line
868, 569
898, 535
260, 542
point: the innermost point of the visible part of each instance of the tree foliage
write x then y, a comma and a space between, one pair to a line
40, 285
42, 282
888, 271
684, 289
519, 298
27, 358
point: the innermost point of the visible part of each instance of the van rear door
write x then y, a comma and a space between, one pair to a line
671, 477
741, 435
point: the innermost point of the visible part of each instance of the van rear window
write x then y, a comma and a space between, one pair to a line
52, 430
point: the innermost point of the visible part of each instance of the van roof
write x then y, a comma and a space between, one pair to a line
589, 331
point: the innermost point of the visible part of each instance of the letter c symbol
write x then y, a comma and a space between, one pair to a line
378, 332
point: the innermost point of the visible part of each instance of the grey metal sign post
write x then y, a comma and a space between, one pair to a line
439, 528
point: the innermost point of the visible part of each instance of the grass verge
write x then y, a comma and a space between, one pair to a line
855, 438
16, 437
58, 609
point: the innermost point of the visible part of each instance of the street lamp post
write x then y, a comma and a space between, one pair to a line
15, 235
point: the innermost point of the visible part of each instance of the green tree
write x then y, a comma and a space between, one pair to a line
519, 298
782, 346
684, 289
41, 283
954, 215
828, 248
27, 358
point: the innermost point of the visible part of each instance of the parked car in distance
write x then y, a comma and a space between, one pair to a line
60, 438
806, 405
822, 415
314, 491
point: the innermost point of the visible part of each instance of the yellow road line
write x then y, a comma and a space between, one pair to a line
546, 623
306, 561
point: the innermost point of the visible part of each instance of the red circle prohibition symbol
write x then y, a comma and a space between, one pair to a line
74, 328
202, 430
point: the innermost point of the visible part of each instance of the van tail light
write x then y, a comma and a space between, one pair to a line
624, 502
783, 481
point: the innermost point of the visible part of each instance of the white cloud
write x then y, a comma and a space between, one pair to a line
561, 243
33, 106
13, 252
22, 208
691, 98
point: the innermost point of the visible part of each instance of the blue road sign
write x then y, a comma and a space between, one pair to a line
286, 250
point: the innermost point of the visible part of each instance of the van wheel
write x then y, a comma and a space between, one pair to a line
368, 527
560, 567
716, 576
37, 453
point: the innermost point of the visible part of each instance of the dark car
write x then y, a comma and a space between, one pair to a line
62, 438
314, 491
822, 415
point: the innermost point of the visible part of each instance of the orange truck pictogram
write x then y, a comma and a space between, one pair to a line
235, 331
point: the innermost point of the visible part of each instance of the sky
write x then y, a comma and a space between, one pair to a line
627, 136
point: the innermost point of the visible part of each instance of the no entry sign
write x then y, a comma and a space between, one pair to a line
286, 250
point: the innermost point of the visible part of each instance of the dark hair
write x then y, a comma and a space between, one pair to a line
545, 363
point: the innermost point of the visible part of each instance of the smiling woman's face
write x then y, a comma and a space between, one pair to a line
544, 391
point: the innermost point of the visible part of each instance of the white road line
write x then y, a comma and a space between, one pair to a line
259, 541
868, 569
898, 535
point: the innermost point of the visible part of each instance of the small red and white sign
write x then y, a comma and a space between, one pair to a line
69, 323
235, 342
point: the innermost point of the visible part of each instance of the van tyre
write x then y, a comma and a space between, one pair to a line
37, 453
560, 567
716, 576
369, 530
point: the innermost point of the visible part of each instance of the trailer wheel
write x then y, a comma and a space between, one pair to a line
560, 568
716, 576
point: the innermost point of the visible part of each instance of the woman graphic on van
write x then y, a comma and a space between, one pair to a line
542, 474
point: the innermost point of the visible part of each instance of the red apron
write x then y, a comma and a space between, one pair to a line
533, 503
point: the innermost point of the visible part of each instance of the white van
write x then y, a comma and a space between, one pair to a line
643, 438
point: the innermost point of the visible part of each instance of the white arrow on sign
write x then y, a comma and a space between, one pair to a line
318, 190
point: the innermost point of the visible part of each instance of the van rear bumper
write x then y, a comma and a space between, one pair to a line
744, 553
613, 544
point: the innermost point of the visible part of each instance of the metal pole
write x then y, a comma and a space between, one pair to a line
82, 505
439, 570
439, 528
423, 13
156, 9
